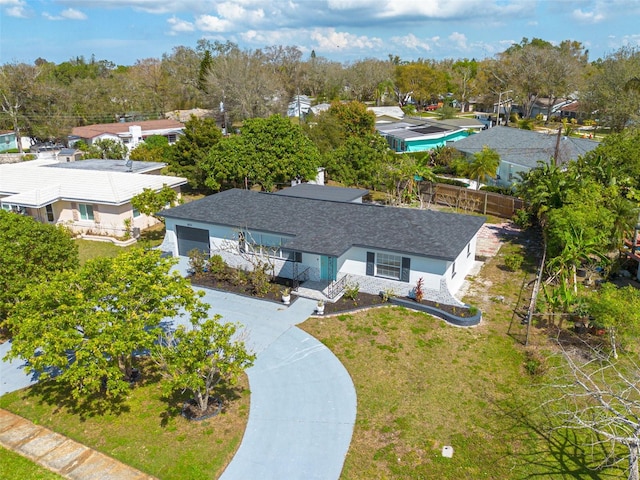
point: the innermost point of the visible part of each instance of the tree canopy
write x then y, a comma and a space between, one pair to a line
270, 152
30, 254
86, 327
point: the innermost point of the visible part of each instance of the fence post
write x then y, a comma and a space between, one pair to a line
484, 210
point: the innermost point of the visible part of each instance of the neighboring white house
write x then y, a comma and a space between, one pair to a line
331, 242
129, 133
89, 196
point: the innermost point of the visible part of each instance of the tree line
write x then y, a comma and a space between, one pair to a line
45, 100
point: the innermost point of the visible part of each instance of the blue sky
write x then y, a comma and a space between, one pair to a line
124, 31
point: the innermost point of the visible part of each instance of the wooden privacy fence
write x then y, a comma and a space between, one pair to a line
467, 200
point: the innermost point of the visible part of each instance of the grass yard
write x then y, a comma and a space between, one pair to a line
423, 384
16, 466
88, 249
148, 433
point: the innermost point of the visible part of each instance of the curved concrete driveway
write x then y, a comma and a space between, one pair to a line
303, 402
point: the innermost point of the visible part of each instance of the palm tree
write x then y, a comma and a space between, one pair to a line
484, 165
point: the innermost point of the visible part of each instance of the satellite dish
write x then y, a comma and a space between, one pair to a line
129, 165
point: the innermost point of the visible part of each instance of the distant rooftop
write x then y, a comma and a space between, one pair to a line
101, 165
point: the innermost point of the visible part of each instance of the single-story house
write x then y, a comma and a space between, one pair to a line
330, 242
521, 150
387, 114
299, 107
129, 133
417, 135
88, 197
8, 141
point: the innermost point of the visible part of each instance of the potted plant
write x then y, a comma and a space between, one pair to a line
320, 307
286, 295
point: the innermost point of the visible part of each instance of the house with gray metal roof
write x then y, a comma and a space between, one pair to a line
328, 241
521, 150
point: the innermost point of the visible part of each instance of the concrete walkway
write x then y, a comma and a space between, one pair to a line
60, 454
301, 418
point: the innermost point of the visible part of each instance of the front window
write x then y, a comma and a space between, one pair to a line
49, 210
86, 212
388, 266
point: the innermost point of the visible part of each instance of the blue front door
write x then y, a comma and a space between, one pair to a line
328, 268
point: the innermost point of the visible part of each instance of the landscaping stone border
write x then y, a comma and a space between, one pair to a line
446, 316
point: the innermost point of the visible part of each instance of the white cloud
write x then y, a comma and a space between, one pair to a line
329, 40
180, 26
414, 43
587, 17
459, 40
73, 14
209, 23
15, 8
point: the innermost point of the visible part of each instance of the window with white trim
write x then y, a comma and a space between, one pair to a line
388, 266
86, 211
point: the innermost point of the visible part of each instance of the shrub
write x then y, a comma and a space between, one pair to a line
534, 363
513, 261
522, 218
351, 291
496, 189
217, 265
387, 295
259, 279
197, 261
419, 292
451, 181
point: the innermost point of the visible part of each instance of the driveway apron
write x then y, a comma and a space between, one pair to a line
303, 402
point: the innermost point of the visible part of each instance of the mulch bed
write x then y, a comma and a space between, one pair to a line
191, 411
362, 300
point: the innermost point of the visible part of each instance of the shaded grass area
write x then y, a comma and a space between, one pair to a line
14, 466
88, 249
147, 431
422, 384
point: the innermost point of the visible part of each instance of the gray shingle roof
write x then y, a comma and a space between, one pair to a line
525, 147
323, 192
331, 228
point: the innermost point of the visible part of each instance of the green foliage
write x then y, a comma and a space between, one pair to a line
202, 358
446, 112
269, 151
150, 202
88, 325
354, 118
360, 161
513, 261
197, 261
106, 148
522, 218
496, 189
154, 149
260, 277
484, 165
351, 291
451, 181
30, 253
192, 148
217, 265
617, 309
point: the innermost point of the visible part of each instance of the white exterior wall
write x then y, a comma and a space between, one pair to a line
464, 262
108, 219
354, 262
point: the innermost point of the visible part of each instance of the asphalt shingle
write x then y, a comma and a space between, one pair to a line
331, 228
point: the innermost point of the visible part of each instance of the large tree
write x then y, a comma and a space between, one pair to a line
421, 80
192, 148
270, 152
30, 253
86, 328
612, 93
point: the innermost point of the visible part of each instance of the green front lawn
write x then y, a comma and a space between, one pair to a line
147, 433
